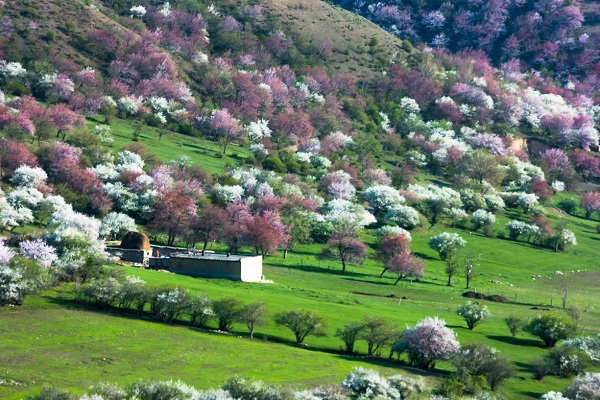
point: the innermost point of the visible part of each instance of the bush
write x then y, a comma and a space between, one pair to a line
102, 292
227, 311
476, 360
563, 362
200, 311
242, 388
302, 323
551, 328
585, 387
50, 393
568, 205
349, 333
274, 164
473, 313
514, 324
367, 384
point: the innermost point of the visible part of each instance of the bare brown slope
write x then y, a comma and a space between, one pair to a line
349, 33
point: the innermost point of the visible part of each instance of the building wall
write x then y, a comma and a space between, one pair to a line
130, 255
252, 269
238, 269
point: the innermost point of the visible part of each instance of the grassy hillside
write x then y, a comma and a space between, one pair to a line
77, 346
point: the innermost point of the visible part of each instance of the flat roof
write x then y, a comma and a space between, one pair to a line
211, 256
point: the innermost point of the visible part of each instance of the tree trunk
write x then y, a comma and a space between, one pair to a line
285, 251
383, 272
205, 244
449, 280
252, 332
343, 266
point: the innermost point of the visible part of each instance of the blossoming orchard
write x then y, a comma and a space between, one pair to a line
373, 158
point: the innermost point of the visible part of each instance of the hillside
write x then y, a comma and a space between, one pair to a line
380, 180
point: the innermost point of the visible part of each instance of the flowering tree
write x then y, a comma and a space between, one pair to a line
225, 127
115, 225
381, 198
173, 213
551, 328
13, 154
266, 233
430, 340
345, 247
30, 177
38, 250
446, 244
12, 286
406, 265
590, 202
6, 253
208, 225
405, 216
338, 185
473, 313
584, 387
391, 246
482, 218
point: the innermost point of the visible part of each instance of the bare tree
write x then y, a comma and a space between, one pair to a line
471, 260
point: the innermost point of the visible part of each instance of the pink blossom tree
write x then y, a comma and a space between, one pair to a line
266, 233
590, 202
392, 246
345, 247
225, 127
430, 340
406, 265
38, 250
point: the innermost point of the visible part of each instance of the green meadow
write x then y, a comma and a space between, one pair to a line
53, 340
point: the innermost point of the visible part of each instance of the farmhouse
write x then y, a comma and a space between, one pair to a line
212, 265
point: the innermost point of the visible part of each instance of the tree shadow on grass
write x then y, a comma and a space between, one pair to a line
320, 270
370, 281
530, 394
523, 367
424, 256
515, 341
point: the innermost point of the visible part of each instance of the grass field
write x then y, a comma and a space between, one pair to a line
51, 340
202, 152
75, 346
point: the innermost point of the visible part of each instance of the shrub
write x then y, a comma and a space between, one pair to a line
101, 292
242, 388
274, 164
561, 361
585, 387
227, 311
200, 310
568, 205
551, 328
302, 323
514, 324
589, 345
367, 384
349, 333
473, 313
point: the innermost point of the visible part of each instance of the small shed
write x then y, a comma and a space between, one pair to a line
212, 265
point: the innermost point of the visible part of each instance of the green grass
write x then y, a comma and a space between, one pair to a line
76, 346
202, 152
52, 340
